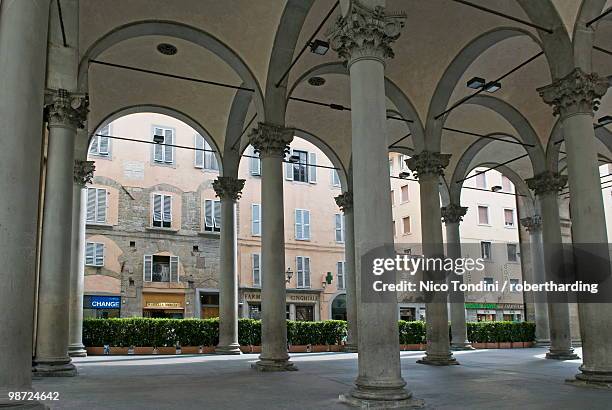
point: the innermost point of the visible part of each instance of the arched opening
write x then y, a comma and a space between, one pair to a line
338, 307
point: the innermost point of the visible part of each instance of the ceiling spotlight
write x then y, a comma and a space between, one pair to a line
605, 120
496, 188
158, 139
404, 175
167, 49
319, 47
476, 83
294, 158
316, 81
492, 87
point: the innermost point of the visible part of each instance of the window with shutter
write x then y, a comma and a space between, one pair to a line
94, 254
199, 155
481, 180
302, 224
92, 199
96, 205
212, 215
164, 153
406, 225
483, 215
300, 168
162, 210
217, 215
485, 250
512, 252
100, 142
303, 271
405, 193
168, 148
339, 227
506, 184
254, 162
289, 168
335, 178
256, 219
306, 224
509, 218
174, 269
312, 168
256, 269
147, 270
101, 206
299, 232
341, 278
210, 160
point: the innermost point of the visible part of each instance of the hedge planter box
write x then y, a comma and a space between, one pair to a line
412, 347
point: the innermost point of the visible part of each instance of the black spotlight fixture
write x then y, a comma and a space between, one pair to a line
496, 188
294, 159
158, 139
319, 47
605, 120
167, 49
476, 83
404, 175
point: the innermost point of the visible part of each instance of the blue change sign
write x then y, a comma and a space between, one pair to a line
103, 302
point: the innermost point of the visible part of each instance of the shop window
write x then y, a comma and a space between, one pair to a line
94, 254
159, 268
304, 313
209, 305
302, 224
303, 271
339, 227
341, 269
408, 314
485, 250
162, 210
163, 153
96, 205
254, 311
212, 215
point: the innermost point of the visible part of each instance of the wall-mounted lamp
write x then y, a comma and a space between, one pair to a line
158, 139
404, 175
294, 158
289, 275
477, 83
496, 188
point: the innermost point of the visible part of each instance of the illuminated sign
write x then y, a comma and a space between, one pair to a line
102, 302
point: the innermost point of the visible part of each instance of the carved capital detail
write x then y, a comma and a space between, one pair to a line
547, 183
83, 171
453, 213
345, 201
577, 92
365, 33
271, 140
428, 163
532, 223
228, 187
64, 109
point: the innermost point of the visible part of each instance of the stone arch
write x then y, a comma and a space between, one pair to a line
158, 109
453, 73
403, 104
170, 29
234, 132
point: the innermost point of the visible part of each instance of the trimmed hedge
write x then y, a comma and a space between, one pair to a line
205, 332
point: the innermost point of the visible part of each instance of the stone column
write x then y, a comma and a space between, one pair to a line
229, 190
533, 224
83, 173
23, 45
546, 187
362, 37
429, 166
345, 203
272, 143
65, 113
574, 97
452, 216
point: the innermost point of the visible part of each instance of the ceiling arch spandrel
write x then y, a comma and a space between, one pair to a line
568, 11
248, 27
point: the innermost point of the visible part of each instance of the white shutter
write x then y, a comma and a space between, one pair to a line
168, 148
341, 280
199, 155
91, 204
158, 149
254, 163
217, 215
157, 207
147, 268
299, 266
256, 219
306, 272
90, 253
208, 215
256, 269
101, 206
312, 169
93, 148
338, 228
306, 224
335, 178
167, 208
174, 269
289, 168
99, 254
299, 231
210, 161
103, 145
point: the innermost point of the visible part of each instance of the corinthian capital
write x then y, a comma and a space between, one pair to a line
428, 163
271, 140
577, 92
453, 213
532, 223
228, 187
365, 33
547, 183
66, 109
345, 201
83, 171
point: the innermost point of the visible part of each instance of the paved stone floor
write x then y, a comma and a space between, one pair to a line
487, 379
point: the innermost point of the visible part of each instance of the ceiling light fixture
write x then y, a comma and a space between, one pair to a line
492, 86
476, 83
319, 47
167, 49
605, 120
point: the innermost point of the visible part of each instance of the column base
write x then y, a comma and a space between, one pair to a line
229, 349
63, 368
269, 365
438, 359
562, 355
592, 378
461, 346
350, 348
542, 343
376, 394
77, 350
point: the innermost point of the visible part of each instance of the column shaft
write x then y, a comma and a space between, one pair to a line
352, 295
541, 307
77, 271
23, 44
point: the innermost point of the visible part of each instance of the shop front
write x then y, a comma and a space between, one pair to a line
492, 312
101, 306
163, 305
301, 304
